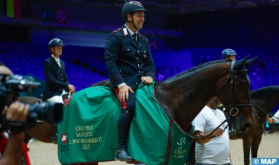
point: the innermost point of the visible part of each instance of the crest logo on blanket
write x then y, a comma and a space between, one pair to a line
179, 152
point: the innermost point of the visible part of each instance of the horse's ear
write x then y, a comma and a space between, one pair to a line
240, 63
250, 61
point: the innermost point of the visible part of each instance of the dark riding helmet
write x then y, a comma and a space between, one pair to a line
228, 52
130, 7
55, 42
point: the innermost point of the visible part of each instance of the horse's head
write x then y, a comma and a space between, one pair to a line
238, 101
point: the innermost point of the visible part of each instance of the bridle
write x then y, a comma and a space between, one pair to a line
233, 112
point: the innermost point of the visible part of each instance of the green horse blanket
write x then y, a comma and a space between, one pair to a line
88, 132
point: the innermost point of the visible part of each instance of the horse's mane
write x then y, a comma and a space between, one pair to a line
190, 71
265, 91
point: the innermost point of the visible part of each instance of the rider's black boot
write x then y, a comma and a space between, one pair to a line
54, 134
124, 122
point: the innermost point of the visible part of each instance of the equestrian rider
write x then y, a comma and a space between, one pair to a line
57, 84
129, 62
229, 54
55, 75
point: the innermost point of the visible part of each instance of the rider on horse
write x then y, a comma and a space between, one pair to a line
57, 84
55, 75
228, 54
129, 62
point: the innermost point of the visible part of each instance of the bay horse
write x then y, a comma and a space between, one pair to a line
42, 130
263, 101
183, 96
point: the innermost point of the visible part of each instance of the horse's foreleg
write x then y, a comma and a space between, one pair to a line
255, 146
246, 149
42, 132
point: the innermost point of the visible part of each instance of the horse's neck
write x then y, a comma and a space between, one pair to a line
265, 100
266, 106
184, 97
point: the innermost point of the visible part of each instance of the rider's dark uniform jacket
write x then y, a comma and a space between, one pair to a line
55, 77
126, 60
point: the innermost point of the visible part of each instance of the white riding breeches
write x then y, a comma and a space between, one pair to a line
57, 99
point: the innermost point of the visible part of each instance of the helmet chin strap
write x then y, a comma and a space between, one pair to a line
132, 21
134, 24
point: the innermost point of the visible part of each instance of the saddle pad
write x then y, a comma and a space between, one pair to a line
88, 132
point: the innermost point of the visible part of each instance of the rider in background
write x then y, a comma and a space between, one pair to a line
129, 62
229, 54
56, 78
57, 84
273, 119
214, 149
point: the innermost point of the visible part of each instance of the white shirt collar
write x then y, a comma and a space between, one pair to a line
56, 59
130, 31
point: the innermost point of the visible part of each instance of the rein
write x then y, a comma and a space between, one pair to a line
268, 113
260, 123
258, 118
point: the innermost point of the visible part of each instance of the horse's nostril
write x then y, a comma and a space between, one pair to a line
246, 126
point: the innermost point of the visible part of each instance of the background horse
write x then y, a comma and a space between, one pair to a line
43, 130
263, 100
183, 96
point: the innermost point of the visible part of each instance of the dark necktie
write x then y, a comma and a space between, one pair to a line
135, 37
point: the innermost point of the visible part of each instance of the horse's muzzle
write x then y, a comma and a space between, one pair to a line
240, 127
245, 127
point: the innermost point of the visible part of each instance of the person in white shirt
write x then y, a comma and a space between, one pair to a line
213, 150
